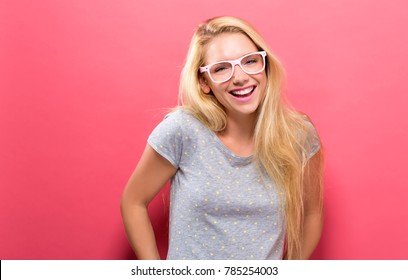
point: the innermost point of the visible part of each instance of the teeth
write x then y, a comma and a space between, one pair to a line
244, 91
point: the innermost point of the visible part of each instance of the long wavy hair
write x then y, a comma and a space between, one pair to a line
280, 131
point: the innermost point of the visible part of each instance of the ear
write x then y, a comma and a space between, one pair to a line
204, 85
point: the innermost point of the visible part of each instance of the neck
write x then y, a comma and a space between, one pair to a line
238, 136
242, 126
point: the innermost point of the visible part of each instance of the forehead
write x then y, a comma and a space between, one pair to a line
228, 46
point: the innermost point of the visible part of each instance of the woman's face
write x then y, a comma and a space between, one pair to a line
242, 94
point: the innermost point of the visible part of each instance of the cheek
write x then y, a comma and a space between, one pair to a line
262, 81
262, 88
218, 90
220, 95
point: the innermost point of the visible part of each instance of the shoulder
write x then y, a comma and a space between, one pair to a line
173, 119
178, 115
175, 135
168, 136
177, 123
310, 137
305, 125
185, 120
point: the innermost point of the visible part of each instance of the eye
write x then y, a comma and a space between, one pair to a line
250, 61
219, 69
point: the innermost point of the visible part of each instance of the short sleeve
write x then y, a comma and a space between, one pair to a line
312, 142
166, 138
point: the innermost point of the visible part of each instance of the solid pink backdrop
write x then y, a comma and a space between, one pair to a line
83, 83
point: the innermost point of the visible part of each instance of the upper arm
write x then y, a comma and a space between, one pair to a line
151, 174
313, 183
313, 170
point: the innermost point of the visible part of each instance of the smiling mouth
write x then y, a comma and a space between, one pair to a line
243, 92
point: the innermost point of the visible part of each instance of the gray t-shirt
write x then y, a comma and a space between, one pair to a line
221, 205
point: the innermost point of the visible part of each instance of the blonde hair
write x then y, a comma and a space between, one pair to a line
280, 132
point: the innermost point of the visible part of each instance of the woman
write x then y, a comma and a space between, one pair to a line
245, 169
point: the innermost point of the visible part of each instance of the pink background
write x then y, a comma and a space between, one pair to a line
83, 83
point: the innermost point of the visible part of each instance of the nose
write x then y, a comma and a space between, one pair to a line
239, 76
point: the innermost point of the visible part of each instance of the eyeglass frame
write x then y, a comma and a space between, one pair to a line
237, 61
